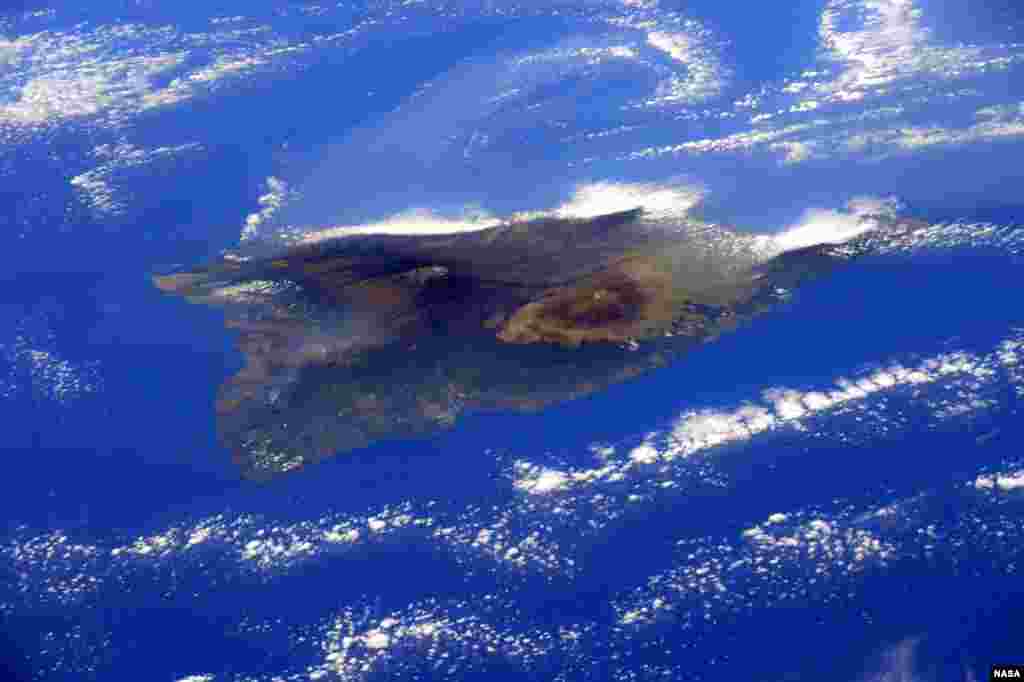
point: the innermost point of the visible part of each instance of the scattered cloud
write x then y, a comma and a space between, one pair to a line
703, 77
1007, 481
413, 221
36, 364
657, 199
699, 431
994, 123
110, 73
588, 200
103, 188
276, 196
826, 226
882, 86
878, 45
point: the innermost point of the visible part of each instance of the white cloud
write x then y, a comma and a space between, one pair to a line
1006, 482
1001, 122
696, 431
413, 221
588, 200
114, 72
102, 187
806, 105
825, 226
736, 142
586, 54
878, 62
56, 76
538, 480
276, 196
704, 77
658, 199
881, 44
794, 152
37, 364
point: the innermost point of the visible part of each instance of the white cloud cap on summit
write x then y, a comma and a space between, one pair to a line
828, 226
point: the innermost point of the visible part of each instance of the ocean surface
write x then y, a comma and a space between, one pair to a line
833, 492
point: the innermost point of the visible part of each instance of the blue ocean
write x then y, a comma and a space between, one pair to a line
835, 491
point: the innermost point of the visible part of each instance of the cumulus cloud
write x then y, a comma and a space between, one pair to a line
699, 430
574, 52
421, 221
102, 187
113, 72
881, 44
587, 200
658, 199
35, 359
53, 76
990, 124
827, 226
277, 194
1006, 481
704, 75
879, 77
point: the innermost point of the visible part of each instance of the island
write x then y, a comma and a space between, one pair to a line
352, 339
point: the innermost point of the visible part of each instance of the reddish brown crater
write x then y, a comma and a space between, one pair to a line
616, 299
622, 303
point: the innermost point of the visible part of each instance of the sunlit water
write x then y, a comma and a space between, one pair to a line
837, 489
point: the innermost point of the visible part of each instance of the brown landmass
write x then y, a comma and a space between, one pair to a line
356, 339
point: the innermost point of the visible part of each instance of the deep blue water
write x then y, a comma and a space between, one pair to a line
143, 461
139, 455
